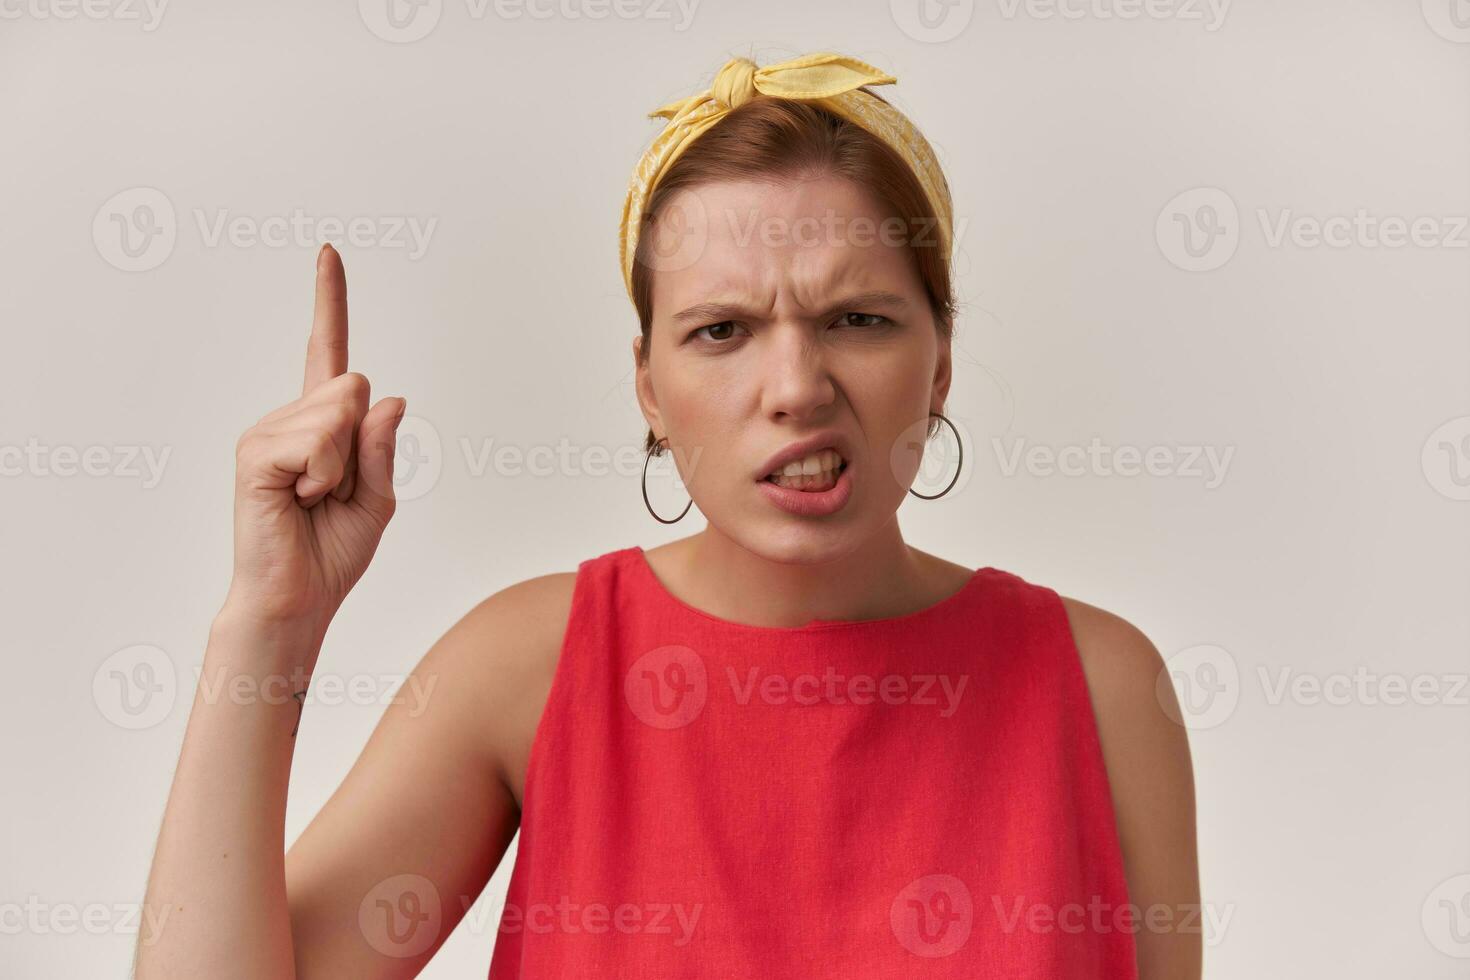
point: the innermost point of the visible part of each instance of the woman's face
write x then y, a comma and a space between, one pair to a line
782, 313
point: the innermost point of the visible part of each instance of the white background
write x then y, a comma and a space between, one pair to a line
1336, 540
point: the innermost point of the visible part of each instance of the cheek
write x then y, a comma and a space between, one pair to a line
892, 403
895, 385
686, 390
700, 408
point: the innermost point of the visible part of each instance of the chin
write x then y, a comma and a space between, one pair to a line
792, 541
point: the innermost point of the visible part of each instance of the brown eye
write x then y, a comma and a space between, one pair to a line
718, 331
880, 320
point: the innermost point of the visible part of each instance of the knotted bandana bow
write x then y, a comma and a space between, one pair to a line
831, 81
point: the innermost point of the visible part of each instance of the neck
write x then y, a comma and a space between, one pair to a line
882, 577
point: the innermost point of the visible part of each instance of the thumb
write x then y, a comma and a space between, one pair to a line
377, 444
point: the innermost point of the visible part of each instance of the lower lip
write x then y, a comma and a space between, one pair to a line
805, 503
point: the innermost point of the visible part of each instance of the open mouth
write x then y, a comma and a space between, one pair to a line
814, 473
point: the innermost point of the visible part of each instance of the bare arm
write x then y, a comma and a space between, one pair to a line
313, 494
1152, 781
402, 849
217, 888
397, 855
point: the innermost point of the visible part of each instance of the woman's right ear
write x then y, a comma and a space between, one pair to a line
643, 385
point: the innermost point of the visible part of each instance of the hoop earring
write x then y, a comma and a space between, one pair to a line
644, 484
958, 466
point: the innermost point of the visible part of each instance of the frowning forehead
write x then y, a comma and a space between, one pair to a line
757, 250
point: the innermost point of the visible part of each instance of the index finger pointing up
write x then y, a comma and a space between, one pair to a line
326, 351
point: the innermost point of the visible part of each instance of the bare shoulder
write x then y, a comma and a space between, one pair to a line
507, 647
1137, 715
524, 616
1119, 660
1145, 750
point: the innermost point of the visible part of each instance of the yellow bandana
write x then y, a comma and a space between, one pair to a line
830, 81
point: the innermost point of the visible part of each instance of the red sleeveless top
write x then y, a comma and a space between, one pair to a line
917, 796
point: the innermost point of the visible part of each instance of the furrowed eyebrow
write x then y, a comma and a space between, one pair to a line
718, 312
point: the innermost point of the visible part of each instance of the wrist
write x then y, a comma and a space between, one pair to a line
275, 639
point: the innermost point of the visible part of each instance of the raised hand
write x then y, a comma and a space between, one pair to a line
313, 480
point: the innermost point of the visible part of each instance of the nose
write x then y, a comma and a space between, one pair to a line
796, 380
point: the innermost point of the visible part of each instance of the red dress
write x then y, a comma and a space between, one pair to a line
917, 796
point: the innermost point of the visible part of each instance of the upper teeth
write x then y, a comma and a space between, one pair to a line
826, 459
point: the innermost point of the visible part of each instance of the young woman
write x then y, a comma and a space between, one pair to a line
789, 744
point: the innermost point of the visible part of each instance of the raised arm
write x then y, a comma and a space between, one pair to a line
313, 494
